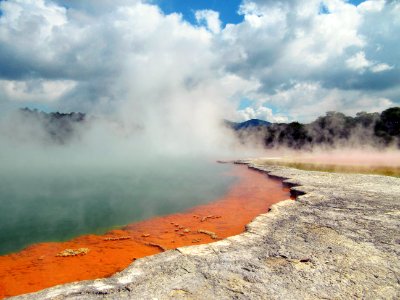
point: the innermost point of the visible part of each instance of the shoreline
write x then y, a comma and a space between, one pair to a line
338, 240
97, 256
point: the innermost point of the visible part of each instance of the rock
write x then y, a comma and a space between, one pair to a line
73, 252
210, 233
203, 219
119, 238
162, 248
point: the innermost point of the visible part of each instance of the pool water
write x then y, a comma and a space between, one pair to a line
56, 203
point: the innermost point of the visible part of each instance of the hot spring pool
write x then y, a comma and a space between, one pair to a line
57, 202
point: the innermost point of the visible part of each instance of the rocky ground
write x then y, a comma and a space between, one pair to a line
340, 239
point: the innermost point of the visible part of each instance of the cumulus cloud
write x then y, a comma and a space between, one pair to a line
125, 52
211, 18
316, 100
129, 58
34, 90
381, 68
343, 51
358, 62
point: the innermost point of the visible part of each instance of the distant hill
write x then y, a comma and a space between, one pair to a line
250, 124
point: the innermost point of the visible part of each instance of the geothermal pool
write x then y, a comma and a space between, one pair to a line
203, 203
58, 203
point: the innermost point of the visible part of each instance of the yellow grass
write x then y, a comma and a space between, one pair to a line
378, 170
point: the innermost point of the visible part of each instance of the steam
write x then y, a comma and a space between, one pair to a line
104, 141
367, 157
151, 84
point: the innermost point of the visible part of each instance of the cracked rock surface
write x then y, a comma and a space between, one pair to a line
340, 239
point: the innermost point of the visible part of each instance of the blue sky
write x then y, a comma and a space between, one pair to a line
356, 2
227, 8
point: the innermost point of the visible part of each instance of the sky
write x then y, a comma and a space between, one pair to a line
277, 60
227, 9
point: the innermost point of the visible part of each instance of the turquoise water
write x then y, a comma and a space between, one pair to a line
57, 203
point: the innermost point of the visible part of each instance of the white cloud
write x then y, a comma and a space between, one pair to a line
35, 90
260, 112
211, 18
280, 41
127, 57
371, 6
307, 62
358, 62
381, 68
306, 101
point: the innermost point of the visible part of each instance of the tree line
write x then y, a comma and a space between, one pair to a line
335, 129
